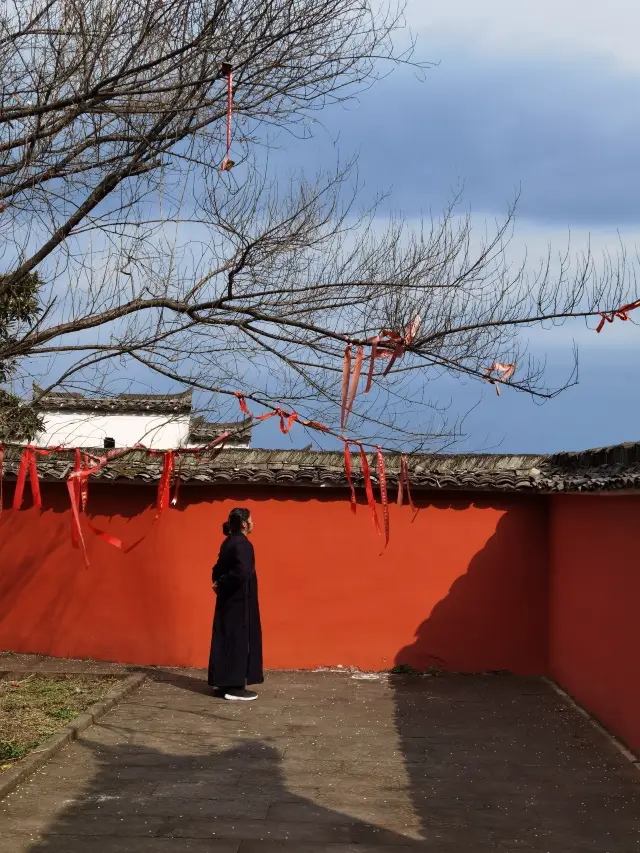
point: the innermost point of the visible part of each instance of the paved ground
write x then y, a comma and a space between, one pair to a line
326, 763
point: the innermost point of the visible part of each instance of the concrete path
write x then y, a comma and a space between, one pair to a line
327, 763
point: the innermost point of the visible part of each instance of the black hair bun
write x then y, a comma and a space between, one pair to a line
226, 528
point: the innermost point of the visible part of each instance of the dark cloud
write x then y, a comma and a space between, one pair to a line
565, 132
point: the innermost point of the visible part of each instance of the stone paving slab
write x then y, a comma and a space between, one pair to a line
324, 763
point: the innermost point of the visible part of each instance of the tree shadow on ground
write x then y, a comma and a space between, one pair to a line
143, 799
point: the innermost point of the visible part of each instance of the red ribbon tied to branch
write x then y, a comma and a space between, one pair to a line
287, 419
387, 344
349, 383
621, 313
503, 372
394, 344
227, 163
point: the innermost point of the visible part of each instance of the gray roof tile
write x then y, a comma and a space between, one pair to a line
603, 469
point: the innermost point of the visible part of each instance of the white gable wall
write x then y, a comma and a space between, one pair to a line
86, 429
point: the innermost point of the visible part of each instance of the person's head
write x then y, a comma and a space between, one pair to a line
240, 520
226, 528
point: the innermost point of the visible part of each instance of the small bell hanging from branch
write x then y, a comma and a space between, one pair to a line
227, 71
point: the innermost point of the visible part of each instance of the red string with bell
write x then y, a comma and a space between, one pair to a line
227, 163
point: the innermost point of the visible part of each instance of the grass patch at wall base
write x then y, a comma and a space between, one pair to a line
34, 707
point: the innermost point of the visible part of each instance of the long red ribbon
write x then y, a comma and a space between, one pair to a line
76, 532
164, 486
382, 479
368, 488
347, 471
346, 373
372, 362
227, 163
1, 473
75, 510
28, 465
403, 480
350, 383
78, 488
355, 379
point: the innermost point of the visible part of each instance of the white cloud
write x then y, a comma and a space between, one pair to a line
571, 28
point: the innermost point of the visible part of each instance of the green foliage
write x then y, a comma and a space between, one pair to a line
19, 421
19, 304
11, 751
64, 714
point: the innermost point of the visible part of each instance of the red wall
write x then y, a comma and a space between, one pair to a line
594, 644
462, 587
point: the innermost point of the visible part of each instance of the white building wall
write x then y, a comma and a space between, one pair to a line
85, 429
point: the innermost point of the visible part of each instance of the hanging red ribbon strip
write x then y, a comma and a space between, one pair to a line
382, 480
368, 489
372, 362
503, 372
387, 344
78, 480
347, 471
346, 373
350, 383
227, 163
164, 486
76, 532
243, 404
76, 529
621, 313
28, 465
78, 488
403, 480
355, 379
174, 500
1, 473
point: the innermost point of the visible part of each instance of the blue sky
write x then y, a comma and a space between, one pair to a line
544, 98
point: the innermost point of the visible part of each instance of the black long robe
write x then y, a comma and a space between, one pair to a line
236, 644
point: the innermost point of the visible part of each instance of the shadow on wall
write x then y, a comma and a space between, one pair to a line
475, 567
495, 755
494, 616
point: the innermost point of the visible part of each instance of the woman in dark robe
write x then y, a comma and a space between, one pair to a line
236, 645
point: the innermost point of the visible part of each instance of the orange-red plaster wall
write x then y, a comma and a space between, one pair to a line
594, 631
461, 587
